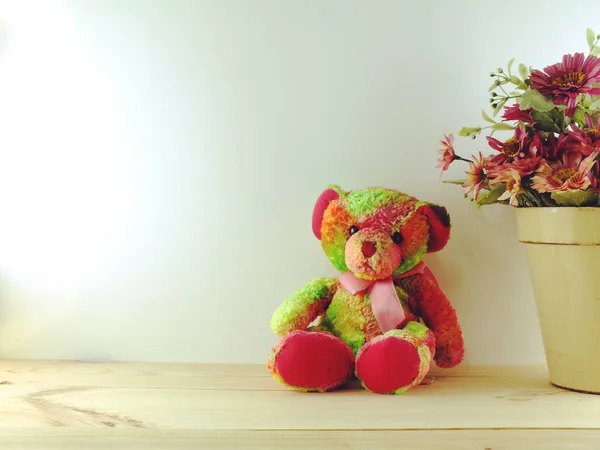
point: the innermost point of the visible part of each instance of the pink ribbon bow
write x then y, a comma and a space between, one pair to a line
384, 300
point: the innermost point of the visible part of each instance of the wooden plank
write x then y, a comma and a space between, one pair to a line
477, 402
71, 405
197, 376
150, 375
94, 439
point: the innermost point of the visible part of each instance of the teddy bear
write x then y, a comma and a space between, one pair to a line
384, 320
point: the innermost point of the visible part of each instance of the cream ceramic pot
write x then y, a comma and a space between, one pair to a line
563, 251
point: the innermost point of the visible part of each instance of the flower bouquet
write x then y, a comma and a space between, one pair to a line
551, 158
548, 169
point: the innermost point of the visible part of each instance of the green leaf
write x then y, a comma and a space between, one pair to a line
579, 117
591, 37
490, 197
534, 99
499, 107
459, 182
502, 126
487, 118
523, 71
530, 198
468, 131
510, 63
515, 80
550, 121
575, 198
595, 105
595, 51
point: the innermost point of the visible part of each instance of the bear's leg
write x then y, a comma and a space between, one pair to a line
396, 361
312, 361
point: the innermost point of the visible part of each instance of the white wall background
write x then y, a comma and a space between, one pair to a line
160, 160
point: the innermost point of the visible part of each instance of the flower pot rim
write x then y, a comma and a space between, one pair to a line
577, 225
548, 208
557, 210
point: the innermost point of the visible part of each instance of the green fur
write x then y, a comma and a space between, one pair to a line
363, 203
344, 317
411, 262
336, 251
416, 329
297, 306
424, 353
402, 295
400, 334
401, 390
338, 189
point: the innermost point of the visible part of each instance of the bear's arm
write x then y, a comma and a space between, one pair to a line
301, 308
431, 304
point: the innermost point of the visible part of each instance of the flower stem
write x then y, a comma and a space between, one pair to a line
505, 93
460, 158
530, 196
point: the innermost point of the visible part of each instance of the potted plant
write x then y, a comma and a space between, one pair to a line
548, 169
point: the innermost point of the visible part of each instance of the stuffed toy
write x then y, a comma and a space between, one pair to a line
384, 319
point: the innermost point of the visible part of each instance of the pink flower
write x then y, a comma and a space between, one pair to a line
584, 140
555, 147
514, 185
527, 166
524, 167
491, 168
514, 112
571, 173
535, 146
475, 176
447, 153
565, 81
511, 149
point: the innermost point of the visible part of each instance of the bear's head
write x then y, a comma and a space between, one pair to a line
378, 232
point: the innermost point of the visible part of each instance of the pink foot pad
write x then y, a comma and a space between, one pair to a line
312, 361
392, 363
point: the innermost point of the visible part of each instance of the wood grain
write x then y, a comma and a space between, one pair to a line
46, 404
90, 439
199, 376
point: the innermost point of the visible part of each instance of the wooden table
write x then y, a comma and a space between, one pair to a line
72, 405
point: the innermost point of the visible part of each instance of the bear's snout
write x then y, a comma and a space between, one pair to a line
372, 254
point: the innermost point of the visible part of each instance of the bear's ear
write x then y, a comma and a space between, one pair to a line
327, 196
439, 226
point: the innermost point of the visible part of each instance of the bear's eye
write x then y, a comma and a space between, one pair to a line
397, 238
353, 230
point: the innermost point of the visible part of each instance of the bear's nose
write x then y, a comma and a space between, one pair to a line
368, 249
